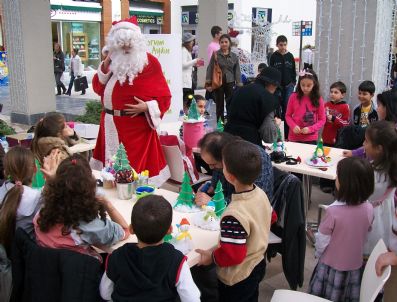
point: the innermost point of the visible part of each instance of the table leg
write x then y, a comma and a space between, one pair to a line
307, 192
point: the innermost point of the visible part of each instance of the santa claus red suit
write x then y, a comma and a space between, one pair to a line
132, 75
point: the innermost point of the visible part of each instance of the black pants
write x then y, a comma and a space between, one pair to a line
59, 83
72, 77
246, 290
206, 281
220, 94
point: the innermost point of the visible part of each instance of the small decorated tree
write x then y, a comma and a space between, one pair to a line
219, 126
278, 142
121, 162
219, 200
186, 195
193, 113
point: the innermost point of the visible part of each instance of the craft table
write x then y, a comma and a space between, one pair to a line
305, 151
202, 239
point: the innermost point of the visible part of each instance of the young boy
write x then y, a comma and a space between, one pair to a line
365, 113
245, 227
284, 61
337, 111
149, 270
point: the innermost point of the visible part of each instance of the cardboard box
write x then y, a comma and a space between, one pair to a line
86, 130
22, 139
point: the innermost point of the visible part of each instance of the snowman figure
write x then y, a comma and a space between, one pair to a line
210, 212
183, 240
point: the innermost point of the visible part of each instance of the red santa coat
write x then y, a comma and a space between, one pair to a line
138, 134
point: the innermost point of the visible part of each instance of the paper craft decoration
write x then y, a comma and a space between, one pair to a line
319, 158
193, 126
278, 144
193, 113
182, 241
185, 201
219, 126
210, 219
121, 161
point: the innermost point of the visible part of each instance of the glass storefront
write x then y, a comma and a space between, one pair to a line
85, 36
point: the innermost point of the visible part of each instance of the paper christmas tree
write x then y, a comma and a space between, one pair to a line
121, 162
219, 200
168, 238
278, 142
219, 126
319, 148
193, 113
186, 195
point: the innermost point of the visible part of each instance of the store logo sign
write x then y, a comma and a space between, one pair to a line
185, 17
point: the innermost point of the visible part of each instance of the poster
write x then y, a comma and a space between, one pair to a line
168, 50
3, 69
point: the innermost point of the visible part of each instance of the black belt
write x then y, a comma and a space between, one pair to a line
115, 112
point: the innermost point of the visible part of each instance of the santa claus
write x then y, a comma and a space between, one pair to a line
135, 96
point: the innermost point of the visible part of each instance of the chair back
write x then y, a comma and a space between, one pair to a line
371, 284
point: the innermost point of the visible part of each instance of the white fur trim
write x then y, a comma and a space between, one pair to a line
161, 178
96, 164
103, 77
153, 114
124, 25
111, 135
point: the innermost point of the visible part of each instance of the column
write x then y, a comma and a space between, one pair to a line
125, 9
106, 23
210, 13
353, 41
28, 31
116, 10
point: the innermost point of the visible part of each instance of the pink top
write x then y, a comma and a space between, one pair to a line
213, 46
303, 114
348, 227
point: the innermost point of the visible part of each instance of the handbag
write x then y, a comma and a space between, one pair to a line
216, 74
80, 83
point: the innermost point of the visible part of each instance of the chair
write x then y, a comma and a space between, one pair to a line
371, 284
179, 162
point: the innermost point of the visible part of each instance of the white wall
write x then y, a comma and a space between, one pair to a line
284, 12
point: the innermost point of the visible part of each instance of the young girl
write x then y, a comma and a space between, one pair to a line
51, 132
343, 232
305, 113
72, 216
18, 202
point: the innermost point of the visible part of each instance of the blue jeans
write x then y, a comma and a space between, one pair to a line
286, 91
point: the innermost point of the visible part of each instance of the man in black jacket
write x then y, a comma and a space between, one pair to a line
284, 61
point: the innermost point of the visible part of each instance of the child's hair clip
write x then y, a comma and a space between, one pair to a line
74, 161
18, 183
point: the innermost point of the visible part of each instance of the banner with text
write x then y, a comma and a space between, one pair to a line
168, 50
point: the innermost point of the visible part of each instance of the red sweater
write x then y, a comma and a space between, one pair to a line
340, 118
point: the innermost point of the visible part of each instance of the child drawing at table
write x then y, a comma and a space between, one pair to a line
150, 270
72, 216
51, 132
337, 276
245, 227
305, 113
19, 203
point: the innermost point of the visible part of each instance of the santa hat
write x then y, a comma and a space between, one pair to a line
184, 221
129, 23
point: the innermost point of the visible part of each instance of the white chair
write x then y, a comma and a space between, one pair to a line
371, 284
174, 159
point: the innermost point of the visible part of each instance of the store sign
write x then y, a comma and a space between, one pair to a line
185, 18
261, 16
77, 27
71, 15
167, 49
306, 27
147, 19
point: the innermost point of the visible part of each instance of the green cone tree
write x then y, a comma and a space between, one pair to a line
121, 162
186, 195
219, 200
193, 113
219, 126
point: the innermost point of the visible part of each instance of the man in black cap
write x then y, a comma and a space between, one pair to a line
251, 104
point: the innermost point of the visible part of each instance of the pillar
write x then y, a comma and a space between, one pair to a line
30, 61
125, 9
210, 13
106, 23
353, 41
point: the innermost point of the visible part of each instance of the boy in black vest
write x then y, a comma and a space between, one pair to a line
149, 270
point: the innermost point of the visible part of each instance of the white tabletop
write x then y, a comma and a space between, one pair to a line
305, 151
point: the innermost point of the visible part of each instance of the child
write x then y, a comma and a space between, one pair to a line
245, 227
19, 202
380, 145
284, 61
51, 132
365, 113
337, 113
72, 216
150, 270
305, 114
342, 233
200, 104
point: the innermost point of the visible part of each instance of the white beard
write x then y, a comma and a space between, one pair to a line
127, 64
